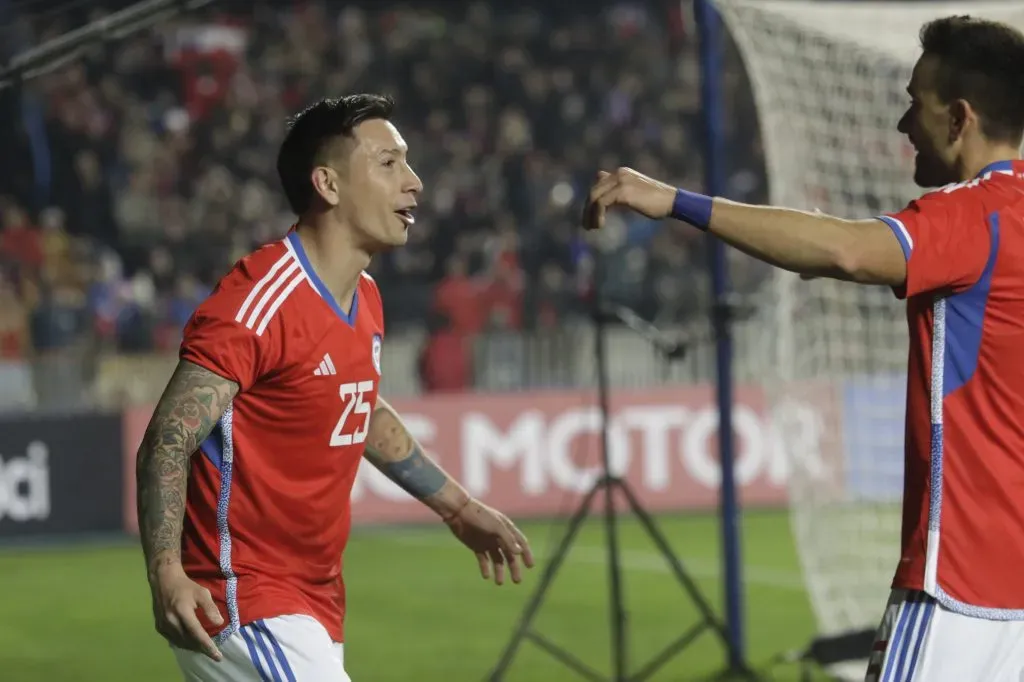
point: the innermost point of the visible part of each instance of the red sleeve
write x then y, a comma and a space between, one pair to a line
213, 340
946, 240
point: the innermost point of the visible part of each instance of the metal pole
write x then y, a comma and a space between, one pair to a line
711, 70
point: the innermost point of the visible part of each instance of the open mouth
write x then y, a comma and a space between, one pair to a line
406, 215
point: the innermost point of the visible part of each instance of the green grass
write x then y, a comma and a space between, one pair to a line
418, 610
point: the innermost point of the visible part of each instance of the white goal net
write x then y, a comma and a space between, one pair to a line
829, 84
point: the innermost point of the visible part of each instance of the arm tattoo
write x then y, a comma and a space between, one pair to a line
393, 451
186, 414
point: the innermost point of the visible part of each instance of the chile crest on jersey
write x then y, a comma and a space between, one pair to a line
376, 352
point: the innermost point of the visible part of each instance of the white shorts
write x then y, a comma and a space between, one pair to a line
281, 649
919, 640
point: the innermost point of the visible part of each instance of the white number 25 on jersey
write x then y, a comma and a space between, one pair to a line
357, 410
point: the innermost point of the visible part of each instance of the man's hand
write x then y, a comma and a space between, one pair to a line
187, 412
627, 187
494, 539
175, 600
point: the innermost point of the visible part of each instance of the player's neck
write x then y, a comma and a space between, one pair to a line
336, 261
974, 160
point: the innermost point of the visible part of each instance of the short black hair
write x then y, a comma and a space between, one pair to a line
982, 62
312, 130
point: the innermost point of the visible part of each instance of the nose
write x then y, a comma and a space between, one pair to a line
413, 184
903, 126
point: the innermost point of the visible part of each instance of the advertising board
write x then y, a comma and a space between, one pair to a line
60, 475
535, 453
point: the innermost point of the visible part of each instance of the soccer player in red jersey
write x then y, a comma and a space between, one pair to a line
956, 611
246, 469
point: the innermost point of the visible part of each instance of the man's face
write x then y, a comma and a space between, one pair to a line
930, 126
378, 188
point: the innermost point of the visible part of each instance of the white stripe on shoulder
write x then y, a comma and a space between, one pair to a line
365, 274
295, 281
285, 259
285, 276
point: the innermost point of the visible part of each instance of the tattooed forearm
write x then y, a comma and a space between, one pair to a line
416, 474
186, 414
392, 449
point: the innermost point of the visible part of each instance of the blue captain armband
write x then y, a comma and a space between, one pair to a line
692, 208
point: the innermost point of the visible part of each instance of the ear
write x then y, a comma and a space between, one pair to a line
961, 116
325, 182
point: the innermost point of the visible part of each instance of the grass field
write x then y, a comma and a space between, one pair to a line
418, 610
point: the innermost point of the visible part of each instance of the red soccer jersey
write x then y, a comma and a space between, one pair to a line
267, 515
963, 497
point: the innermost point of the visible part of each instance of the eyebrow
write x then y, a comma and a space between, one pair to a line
392, 150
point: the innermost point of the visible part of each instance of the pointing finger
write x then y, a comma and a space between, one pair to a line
485, 565
498, 561
524, 544
201, 641
514, 568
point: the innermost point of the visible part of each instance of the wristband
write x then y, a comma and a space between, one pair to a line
692, 208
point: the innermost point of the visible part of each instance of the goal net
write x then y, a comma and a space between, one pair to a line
829, 82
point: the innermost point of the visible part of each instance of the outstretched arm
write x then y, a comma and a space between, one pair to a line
187, 411
490, 534
864, 251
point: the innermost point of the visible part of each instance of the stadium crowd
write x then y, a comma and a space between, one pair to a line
133, 177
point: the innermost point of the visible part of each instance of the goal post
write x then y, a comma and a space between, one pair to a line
828, 81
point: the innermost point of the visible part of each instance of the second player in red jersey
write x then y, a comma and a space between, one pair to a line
246, 469
956, 610
965, 392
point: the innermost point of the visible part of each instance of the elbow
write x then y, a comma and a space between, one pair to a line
867, 253
848, 264
851, 256
859, 264
836, 261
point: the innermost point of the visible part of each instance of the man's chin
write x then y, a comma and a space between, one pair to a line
395, 240
388, 242
926, 178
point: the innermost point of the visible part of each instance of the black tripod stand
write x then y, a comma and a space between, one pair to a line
608, 483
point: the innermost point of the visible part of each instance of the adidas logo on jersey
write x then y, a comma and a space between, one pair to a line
326, 367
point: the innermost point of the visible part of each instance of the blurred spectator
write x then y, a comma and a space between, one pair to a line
14, 327
106, 295
162, 146
88, 201
459, 298
446, 360
556, 299
20, 242
61, 316
54, 241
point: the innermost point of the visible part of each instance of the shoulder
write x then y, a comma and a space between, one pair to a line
258, 291
957, 203
990, 191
